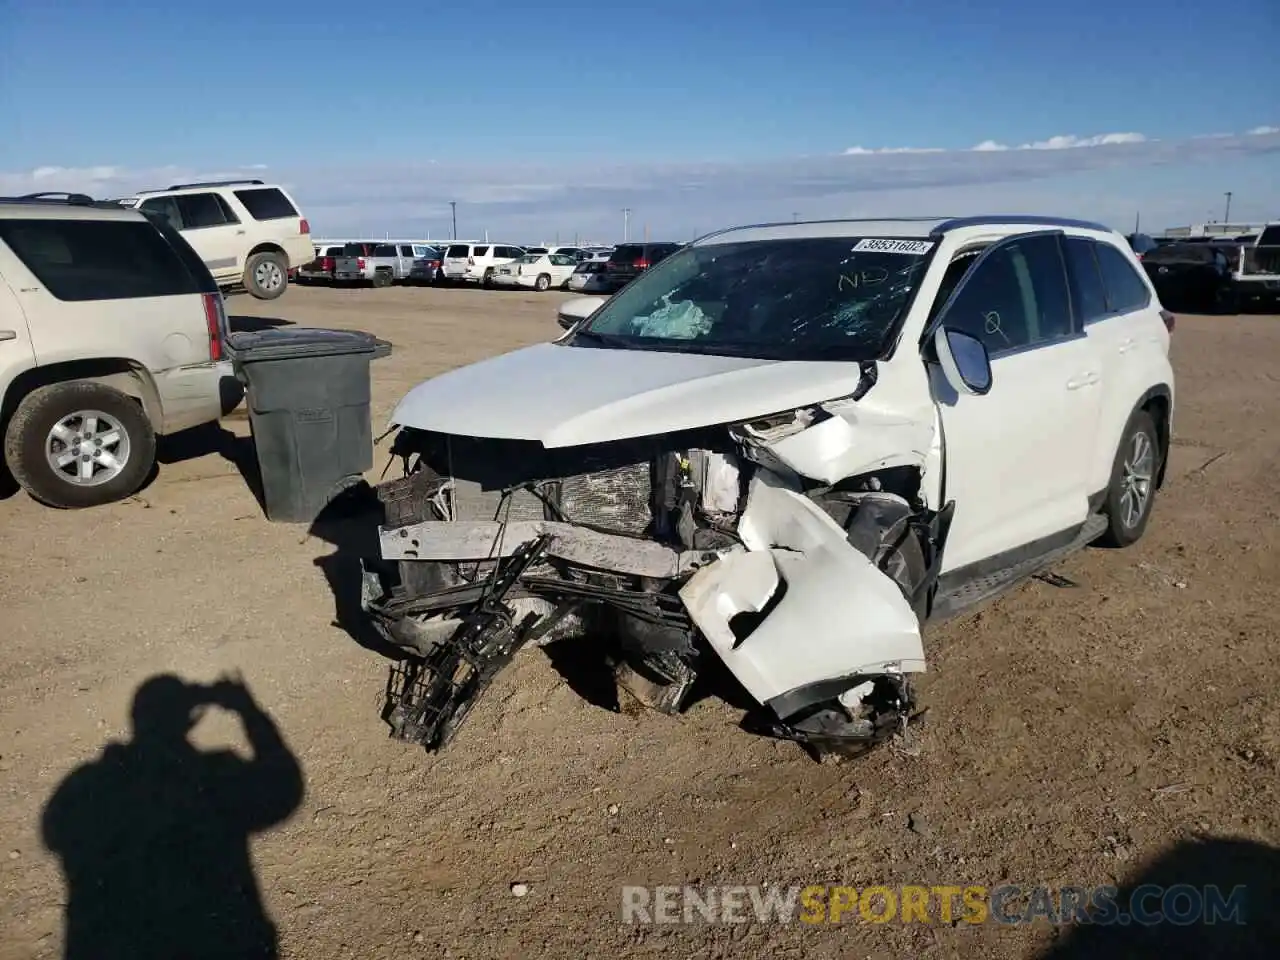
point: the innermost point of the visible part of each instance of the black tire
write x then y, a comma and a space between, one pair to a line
1123, 528
382, 278
35, 418
487, 280
266, 275
543, 283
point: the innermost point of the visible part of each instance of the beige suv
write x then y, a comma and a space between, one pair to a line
111, 331
248, 233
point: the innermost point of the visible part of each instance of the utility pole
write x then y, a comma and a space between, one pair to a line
1137, 222
626, 224
1227, 218
453, 208
795, 217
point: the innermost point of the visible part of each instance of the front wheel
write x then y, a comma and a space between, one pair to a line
74, 445
543, 283
266, 275
1132, 491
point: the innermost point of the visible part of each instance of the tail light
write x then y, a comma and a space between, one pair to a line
359, 263
642, 264
1169, 320
215, 320
304, 226
326, 263
471, 261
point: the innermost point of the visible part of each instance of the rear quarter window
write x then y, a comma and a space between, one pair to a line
78, 260
266, 203
481, 251
1126, 290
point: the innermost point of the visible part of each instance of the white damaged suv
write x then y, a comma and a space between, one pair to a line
786, 447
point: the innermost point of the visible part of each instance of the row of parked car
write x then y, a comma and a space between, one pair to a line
1213, 274
380, 264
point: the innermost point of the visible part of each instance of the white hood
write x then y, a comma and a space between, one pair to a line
565, 396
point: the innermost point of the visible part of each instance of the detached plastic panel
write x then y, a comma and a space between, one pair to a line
307, 391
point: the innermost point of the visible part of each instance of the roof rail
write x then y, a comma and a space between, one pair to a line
212, 183
52, 196
1029, 220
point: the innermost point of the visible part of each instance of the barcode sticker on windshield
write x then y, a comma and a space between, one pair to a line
914, 247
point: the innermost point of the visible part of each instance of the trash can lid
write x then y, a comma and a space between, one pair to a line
288, 343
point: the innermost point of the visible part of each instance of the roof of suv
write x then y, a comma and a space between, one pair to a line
25, 208
204, 187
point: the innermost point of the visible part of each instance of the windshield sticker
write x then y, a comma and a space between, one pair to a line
915, 248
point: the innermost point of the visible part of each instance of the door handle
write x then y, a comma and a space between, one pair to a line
8, 335
1088, 378
239, 233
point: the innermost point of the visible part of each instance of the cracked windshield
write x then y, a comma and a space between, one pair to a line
804, 299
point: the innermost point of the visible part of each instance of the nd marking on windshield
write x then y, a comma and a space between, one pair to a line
915, 248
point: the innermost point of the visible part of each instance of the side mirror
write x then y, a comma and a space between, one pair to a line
965, 362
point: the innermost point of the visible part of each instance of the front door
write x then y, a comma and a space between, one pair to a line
1017, 458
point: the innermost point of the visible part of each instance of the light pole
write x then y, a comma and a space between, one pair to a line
453, 208
1227, 218
626, 224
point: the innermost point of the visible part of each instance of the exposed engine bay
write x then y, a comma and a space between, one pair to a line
798, 549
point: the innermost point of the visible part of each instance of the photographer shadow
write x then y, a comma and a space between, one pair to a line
153, 835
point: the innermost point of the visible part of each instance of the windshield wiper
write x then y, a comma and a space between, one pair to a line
603, 339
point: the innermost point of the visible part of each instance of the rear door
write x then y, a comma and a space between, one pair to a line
207, 222
1130, 339
1017, 459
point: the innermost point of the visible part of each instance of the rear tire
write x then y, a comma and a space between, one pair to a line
487, 280
117, 451
1132, 492
382, 278
543, 283
266, 275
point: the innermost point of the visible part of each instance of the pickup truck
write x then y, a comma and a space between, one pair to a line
1255, 271
352, 266
385, 264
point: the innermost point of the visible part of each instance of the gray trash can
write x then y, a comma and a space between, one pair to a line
307, 391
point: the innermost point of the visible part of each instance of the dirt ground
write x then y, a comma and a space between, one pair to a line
1126, 727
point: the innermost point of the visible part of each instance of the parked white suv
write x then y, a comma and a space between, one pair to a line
247, 232
111, 332
476, 262
785, 447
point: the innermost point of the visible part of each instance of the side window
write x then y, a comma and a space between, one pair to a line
80, 260
481, 252
1086, 282
1125, 289
200, 210
228, 214
266, 203
1016, 297
165, 207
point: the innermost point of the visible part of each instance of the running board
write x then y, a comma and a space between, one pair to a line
982, 589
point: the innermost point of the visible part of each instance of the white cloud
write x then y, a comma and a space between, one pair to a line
678, 198
1264, 131
864, 151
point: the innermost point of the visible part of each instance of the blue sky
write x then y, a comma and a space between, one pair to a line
706, 113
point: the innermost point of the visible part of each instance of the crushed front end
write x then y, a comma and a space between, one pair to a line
797, 549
